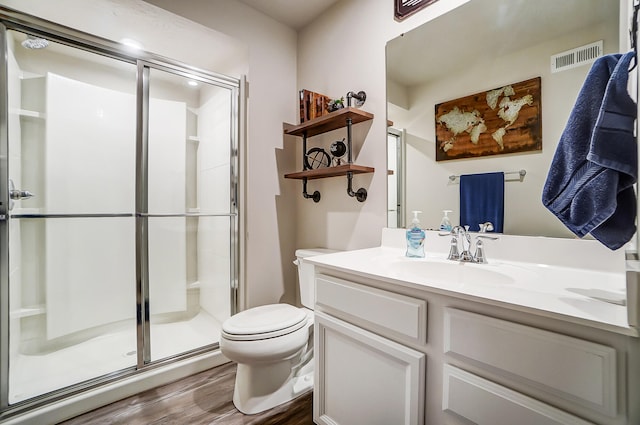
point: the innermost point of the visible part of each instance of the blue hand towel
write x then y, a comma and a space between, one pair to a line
590, 183
482, 200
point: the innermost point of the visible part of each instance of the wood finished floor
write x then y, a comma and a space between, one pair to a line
204, 398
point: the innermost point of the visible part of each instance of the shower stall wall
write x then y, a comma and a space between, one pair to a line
119, 218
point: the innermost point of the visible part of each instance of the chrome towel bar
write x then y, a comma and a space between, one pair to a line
520, 176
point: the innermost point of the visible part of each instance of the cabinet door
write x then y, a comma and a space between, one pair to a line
362, 378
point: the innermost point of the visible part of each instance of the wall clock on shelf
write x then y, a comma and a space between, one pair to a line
405, 8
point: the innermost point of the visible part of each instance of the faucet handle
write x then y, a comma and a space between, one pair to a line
491, 238
486, 227
453, 232
479, 256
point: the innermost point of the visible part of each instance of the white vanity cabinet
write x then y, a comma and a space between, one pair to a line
381, 359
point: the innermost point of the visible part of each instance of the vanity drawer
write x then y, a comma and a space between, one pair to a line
486, 403
575, 370
393, 315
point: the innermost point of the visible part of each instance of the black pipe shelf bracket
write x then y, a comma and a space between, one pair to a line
315, 196
360, 194
360, 97
345, 117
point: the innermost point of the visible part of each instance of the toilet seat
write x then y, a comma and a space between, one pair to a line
267, 321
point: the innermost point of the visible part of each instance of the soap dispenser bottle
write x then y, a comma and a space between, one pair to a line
445, 224
415, 238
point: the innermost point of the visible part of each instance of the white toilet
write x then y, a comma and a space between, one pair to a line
273, 346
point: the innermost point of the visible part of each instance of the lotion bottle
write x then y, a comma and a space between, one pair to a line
415, 238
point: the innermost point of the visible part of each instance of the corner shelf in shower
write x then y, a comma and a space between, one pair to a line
192, 125
28, 311
26, 75
341, 118
28, 114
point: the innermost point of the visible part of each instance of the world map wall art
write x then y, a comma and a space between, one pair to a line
500, 121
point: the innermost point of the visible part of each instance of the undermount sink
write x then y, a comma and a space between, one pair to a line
451, 271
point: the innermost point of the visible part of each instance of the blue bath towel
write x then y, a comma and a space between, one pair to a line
590, 183
482, 200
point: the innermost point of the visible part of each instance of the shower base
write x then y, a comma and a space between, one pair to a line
33, 375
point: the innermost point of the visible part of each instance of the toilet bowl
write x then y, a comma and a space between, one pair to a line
273, 346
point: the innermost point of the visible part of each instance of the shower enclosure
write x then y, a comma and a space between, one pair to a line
118, 212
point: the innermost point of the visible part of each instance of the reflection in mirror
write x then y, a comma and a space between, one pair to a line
395, 178
479, 46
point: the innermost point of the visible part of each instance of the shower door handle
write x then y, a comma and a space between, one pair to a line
17, 194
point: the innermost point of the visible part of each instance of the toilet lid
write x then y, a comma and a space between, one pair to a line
274, 319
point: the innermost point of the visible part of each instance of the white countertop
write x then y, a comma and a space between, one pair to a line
591, 294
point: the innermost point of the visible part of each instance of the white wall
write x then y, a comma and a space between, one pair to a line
342, 51
213, 237
90, 265
166, 174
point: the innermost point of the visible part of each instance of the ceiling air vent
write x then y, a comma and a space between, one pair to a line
576, 57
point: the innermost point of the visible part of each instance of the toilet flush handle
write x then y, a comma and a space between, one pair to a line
296, 262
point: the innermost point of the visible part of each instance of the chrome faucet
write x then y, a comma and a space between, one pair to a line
463, 236
460, 249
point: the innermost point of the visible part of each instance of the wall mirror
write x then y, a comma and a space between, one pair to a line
479, 46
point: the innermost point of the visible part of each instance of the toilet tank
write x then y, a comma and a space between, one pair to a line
305, 274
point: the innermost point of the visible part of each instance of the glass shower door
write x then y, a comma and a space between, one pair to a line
190, 216
71, 221
71, 168
118, 214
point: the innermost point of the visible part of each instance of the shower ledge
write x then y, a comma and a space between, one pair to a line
28, 311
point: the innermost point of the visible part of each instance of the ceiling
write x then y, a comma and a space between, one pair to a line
527, 22
293, 13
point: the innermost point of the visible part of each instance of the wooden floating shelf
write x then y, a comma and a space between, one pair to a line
338, 170
339, 119
331, 121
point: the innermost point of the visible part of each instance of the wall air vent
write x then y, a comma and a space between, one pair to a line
576, 57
